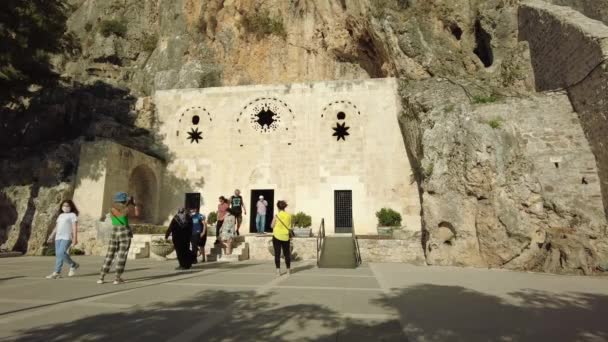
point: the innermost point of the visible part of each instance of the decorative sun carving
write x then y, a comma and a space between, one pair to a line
265, 114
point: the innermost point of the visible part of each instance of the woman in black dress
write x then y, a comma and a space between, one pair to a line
181, 230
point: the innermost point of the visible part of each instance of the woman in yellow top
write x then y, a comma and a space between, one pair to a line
281, 227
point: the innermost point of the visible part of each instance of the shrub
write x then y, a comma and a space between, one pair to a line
76, 251
212, 218
263, 24
428, 171
495, 123
148, 229
49, 250
149, 42
302, 220
388, 218
113, 27
480, 99
160, 241
88, 27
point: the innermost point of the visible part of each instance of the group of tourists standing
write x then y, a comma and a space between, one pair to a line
187, 228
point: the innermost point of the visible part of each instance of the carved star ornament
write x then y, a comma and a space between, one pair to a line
195, 135
341, 131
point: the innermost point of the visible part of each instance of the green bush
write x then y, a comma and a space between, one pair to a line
212, 218
49, 250
161, 242
149, 42
481, 99
302, 220
88, 27
113, 27
148, 229
263, 24
388, 218
495, 123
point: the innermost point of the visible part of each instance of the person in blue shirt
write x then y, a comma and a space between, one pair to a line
199, 233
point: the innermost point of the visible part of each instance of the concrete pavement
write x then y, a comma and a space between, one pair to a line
247, 302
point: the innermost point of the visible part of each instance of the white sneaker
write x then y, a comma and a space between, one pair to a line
73, 270
100, 281
278, 272
53, 275
288, 272
118, 281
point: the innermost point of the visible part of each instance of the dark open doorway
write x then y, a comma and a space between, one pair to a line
268, 197
193, 200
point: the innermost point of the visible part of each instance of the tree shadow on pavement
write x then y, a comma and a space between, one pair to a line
454, 313
427, 313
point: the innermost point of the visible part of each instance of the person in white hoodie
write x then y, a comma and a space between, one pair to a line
65, 234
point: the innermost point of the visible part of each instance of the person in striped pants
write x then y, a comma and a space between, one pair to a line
121, 239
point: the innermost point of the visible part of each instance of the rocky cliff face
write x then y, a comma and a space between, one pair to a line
508, 218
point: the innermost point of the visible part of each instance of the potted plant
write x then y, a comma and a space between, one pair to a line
161, 247
388, 220
302, 225
211, 220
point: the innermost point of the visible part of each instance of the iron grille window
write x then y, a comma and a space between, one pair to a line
343, 210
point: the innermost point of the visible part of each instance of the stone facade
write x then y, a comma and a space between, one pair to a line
569, 51
106, 168
297, 153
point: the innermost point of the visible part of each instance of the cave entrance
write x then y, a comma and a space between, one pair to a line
144, 188
483, 46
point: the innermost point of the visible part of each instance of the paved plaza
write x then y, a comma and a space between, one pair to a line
247, 302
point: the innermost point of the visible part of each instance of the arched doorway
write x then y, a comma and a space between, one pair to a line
144, 187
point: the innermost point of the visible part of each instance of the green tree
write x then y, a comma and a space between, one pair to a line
30, 30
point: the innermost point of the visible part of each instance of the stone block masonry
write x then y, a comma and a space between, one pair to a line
570, 51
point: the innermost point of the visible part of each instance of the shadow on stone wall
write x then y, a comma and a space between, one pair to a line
40, 149
427, 312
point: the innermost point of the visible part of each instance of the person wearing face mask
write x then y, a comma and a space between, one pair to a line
65, 234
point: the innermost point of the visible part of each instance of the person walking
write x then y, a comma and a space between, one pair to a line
228, 231
198, 229
180, 229
222, 208
260, 217
65, 234
120, 240
281, 234
238, 208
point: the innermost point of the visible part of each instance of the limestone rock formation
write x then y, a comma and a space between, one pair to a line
501, 182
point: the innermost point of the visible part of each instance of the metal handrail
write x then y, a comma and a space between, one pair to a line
320, 240
358, 260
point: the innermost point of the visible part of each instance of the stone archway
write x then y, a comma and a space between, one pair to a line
143, 186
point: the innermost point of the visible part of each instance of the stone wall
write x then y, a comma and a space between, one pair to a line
594, 9
259, 247
569, 51
408, 250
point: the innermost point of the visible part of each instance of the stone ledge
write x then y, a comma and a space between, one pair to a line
565, 45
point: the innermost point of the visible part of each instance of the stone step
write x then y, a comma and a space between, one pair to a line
239, 253
338, 252
139, 251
